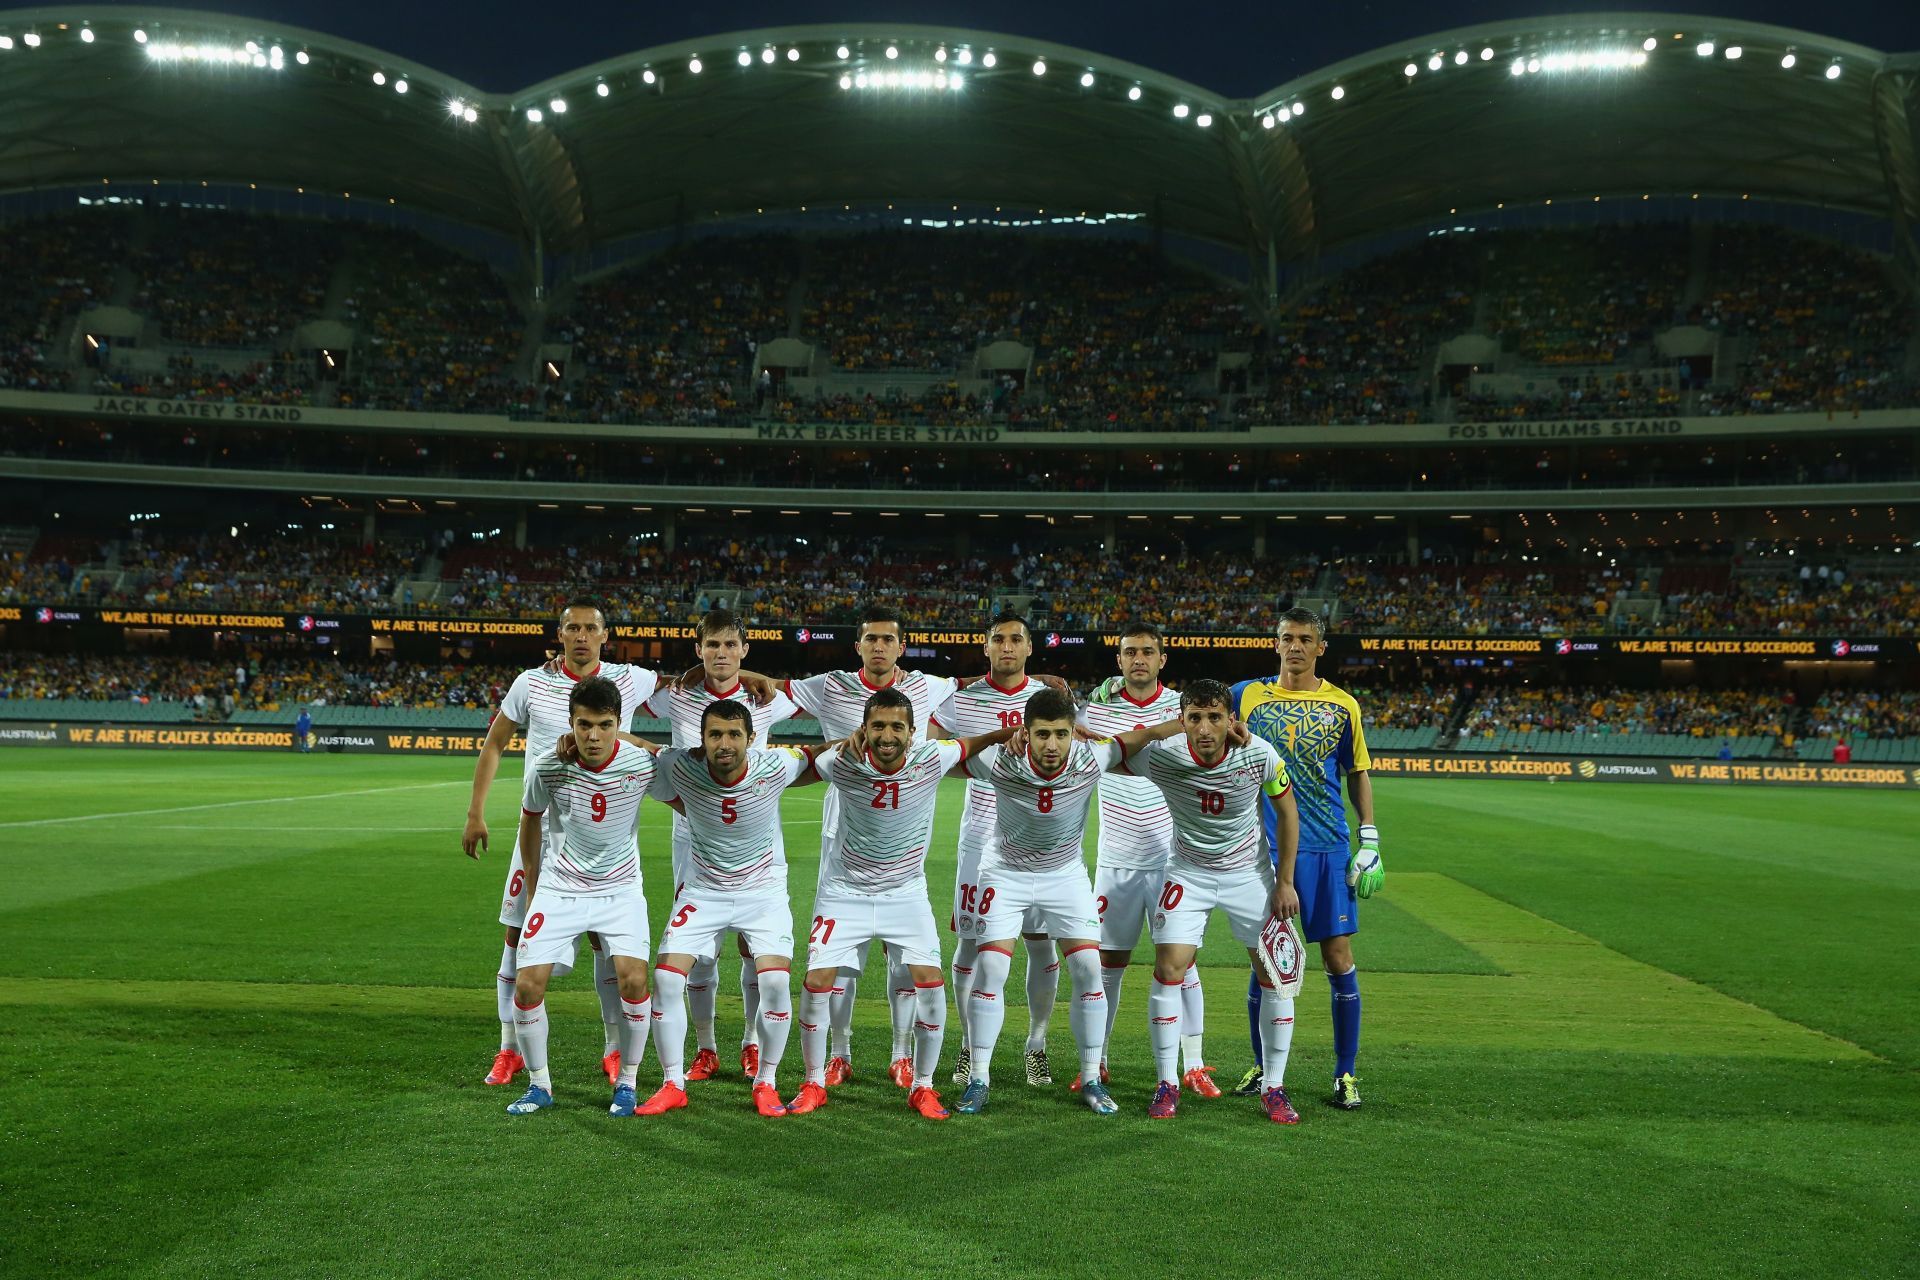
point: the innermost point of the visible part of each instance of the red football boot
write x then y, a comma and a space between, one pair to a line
705, 1064
811, 1097
927, 1103
1199, 1079
668, 1097
839, 1071
506, 1064
766, 1100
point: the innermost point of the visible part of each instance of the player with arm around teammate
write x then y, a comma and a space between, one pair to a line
729, 791
875, 886
721, 648
1213, 788
584, 878
1315, 727
537, 704
1136, 839
1035, 872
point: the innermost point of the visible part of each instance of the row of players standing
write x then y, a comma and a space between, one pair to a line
1025, 859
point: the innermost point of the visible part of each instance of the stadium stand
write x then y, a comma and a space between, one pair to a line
1620, 721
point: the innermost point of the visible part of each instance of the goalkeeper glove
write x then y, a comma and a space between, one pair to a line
1365, 872
1107, 689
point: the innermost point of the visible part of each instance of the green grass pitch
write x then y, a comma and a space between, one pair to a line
1610, 1030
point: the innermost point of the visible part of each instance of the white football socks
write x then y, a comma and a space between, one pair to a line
900, 1005
929, 1014
1193, 1019
1163, 1027
813, 1033
1276, 1036
531, 1027
840, 1018
964, 953
702, 998
1087, 1015
606, 984
503, 995
636, 1022
776, 1021
1043, 988
987, 1007
749, 1002
670, 1023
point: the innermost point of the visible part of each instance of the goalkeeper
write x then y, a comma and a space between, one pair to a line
1316, 729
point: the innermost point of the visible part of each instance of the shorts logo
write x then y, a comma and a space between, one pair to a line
1159, 919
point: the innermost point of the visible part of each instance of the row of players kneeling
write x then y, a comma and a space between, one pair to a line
883, 780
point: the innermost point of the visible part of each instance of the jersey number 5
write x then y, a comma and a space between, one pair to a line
729, 811
680, 916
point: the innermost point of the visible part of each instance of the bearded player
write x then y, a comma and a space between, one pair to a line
1315, 727
875, 884
722, 649
536, 706
1213, 783
1136, 839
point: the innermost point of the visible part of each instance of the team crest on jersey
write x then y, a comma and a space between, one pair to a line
628, 783
1327, 717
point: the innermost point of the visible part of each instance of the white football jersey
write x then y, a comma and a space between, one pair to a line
1216, 808
683, 708
838, 700
983, 707
736, 827
537, 700
1136, 831
593, 817
1041, 819
886, 820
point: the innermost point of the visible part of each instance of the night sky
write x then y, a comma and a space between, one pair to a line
1234, 49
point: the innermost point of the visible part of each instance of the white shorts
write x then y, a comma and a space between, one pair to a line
513, 896
846, 925
701, 916
1125, 897
1190, 894
557, 921
1057, 903
976, 840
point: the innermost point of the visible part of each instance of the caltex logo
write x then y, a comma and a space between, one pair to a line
1841, 648
44, 615
1053, 639
1563, 648
804, 635
306, 622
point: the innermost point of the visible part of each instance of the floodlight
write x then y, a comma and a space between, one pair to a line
139, 36
1433, 63
745, 59
399, 86
1266, 122
302, 58
987, 59
1180, 110
1411, 70
767, 56
1519, 67
1788, 61
842, 52
1205, 121
648, 76
1705, 49
86, 35
1486, 55
470, 115
965, 57
940, 54
1286, 114
846, 82
1086, 80
1133, 94
379, 77
1460, 58
602, 89
1039, 66
1733, 52
33, 39
793, 55
893, 51
533, 115
1339, 92
1833, 71
558, 106
1299, 109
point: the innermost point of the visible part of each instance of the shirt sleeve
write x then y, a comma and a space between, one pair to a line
646, 683
514, 705
947, 710
809, 695
1238, 696
1357, 746
1276, 780
981, 764
662, 787
534, 797
1107, 753
827, 763
951, 752
781, 708
794, 761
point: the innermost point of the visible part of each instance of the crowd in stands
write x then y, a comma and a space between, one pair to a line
213, 688
284, 379
437, 331
52, 269
1600, 712
1476, 600
233, 280
1120, 335
1865, 713
1822, 600
1426, 705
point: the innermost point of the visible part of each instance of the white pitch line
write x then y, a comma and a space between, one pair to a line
231, 804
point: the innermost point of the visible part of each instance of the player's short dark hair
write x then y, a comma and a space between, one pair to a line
1141, 627
595, 693
1206, 693
877, 612
888, 700
1009, 616
719, 620
726, 709
585, 602
1305, 618
1049, 704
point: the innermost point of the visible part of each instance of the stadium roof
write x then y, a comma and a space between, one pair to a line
1559, 108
